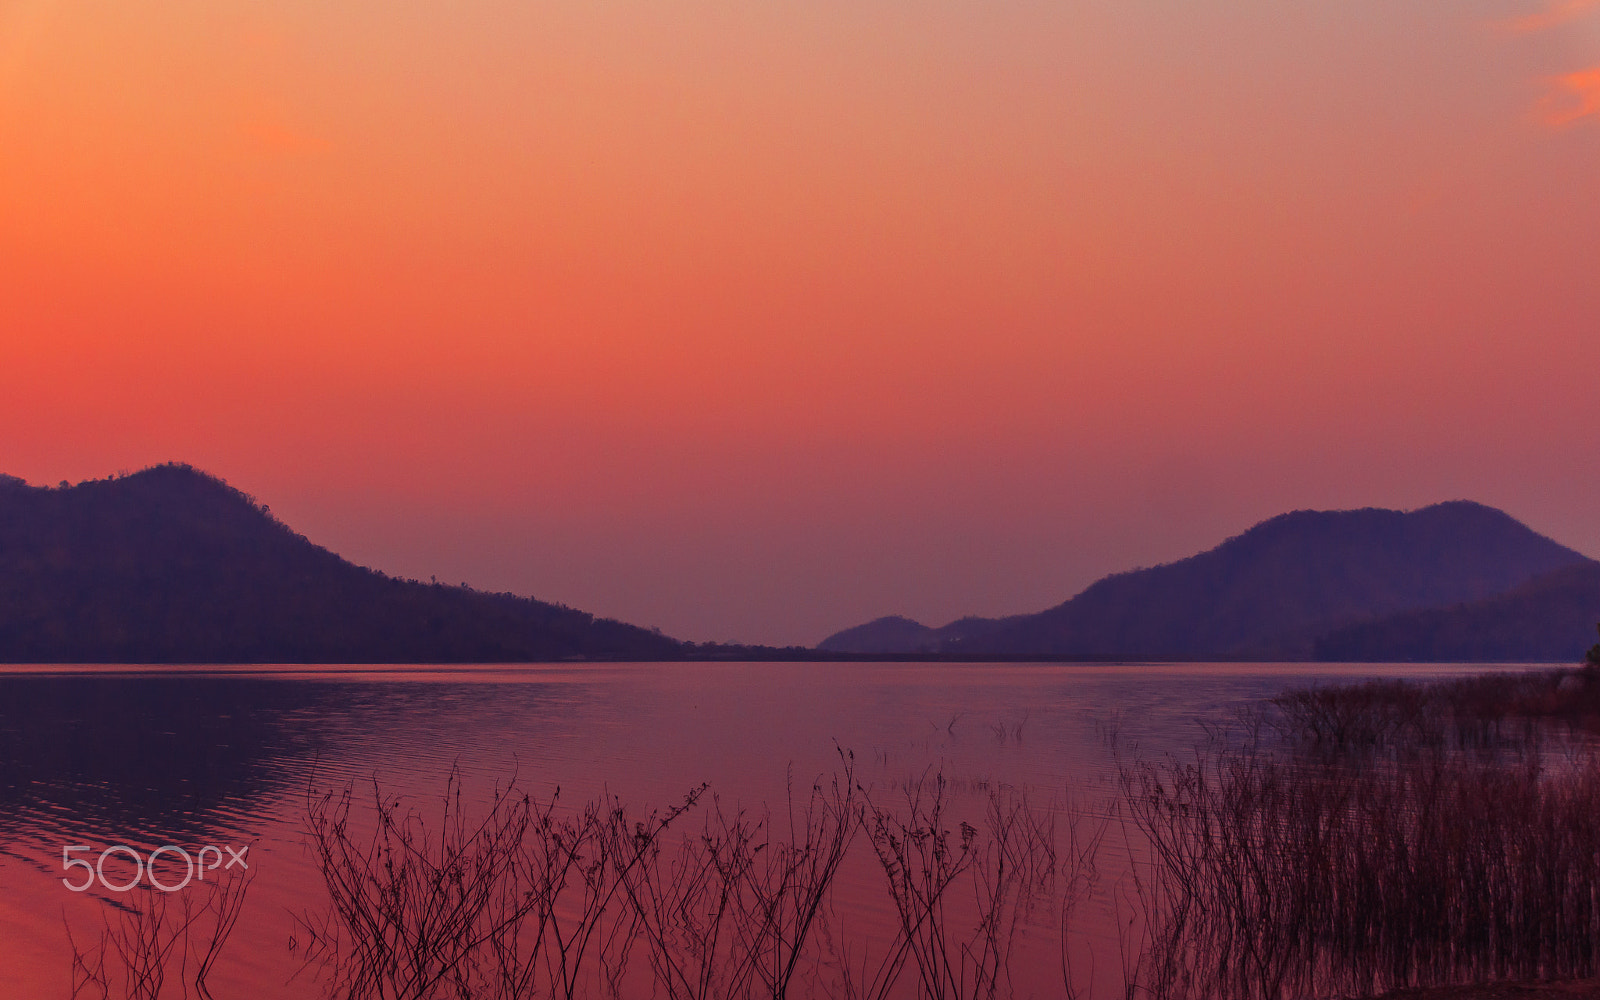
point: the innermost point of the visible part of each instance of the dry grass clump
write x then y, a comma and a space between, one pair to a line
1477, 711
1373, 837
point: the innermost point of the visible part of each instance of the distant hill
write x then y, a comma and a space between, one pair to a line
1550, 618
895, 634
1271, 592
170, 565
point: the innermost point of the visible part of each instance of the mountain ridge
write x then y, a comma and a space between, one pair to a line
172, 565
1271, 591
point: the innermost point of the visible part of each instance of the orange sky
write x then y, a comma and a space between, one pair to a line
754, 322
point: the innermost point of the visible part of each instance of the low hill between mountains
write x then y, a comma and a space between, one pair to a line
170, 565
1281, 590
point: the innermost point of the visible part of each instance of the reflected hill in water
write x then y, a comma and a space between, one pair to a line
171, 565
164, 754
168, 754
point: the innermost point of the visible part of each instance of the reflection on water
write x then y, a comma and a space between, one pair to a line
148, 755
228, 756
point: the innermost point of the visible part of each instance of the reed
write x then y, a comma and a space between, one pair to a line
1468, 712
1370, 838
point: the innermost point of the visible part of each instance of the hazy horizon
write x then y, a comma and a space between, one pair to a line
756, 324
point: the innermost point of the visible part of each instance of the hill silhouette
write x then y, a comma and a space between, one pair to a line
897, 634
1550, 618
171, 565
1272, 591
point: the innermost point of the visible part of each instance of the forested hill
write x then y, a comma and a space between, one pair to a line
1277, 589
1270, 592
171, 565
1551, 618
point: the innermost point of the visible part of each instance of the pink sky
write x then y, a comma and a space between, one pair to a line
753, 323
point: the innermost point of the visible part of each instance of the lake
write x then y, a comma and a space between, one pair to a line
229, 756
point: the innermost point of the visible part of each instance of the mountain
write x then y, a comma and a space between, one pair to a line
1272, 591
171, 565
1550, 618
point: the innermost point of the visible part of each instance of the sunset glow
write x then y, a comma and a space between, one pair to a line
752, 323
1576, 96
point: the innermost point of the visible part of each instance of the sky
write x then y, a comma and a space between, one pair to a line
752, 322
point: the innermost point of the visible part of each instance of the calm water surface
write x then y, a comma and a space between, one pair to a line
227, 756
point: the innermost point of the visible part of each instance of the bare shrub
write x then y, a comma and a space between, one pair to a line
959, 894
791, 877
528, 901
1077, 874
513, 904
413, 908
691, 908
732, 912
585, 867
164, 946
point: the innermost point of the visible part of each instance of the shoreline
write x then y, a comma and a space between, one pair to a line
1538, 989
